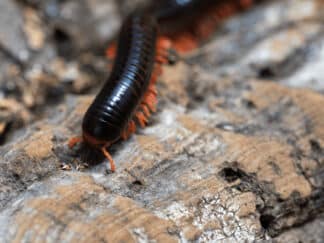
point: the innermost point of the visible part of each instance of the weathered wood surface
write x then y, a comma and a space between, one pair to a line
235, 151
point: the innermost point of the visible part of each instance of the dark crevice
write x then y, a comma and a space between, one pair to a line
266, 221
266, 73
137, 182
136, 186
63, 42
315, 146
60, 36
231, 174
249, 104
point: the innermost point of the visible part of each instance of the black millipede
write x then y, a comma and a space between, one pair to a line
129, 95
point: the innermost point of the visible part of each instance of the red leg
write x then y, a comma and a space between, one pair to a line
163, 46
111, 51
142, 120
164, 43
145, 110
185, 42
130, 129
161, 59
73, 141
110, 159
124, 134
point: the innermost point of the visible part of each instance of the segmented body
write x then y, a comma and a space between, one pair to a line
114, 107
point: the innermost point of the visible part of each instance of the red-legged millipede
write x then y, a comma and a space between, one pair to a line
129, 95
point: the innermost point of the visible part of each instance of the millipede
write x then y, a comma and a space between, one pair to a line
128, 97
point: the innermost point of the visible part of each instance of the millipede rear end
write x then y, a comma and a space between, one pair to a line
188, 22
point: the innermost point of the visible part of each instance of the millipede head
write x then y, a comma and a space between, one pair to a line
90, 155
93, 150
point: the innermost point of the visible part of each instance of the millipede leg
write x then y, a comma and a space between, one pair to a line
145, 110
185, 42
164, 43
142, 120
130, 129
124, 135
73, 141
111, 51
110, 159
163, 47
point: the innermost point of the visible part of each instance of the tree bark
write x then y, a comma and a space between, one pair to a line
235, 151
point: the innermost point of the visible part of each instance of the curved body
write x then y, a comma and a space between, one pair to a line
114, 106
